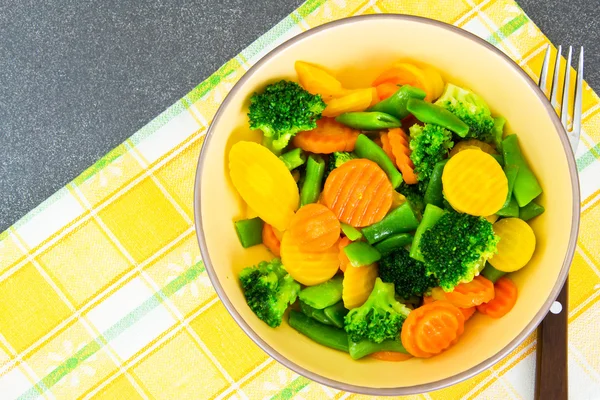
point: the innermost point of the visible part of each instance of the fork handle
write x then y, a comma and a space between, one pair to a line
552, 352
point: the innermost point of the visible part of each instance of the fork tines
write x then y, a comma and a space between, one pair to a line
575, 132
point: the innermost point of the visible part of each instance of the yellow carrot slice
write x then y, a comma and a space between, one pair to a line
317, 80
516, 245
264, 182
474, 183
357, 100
308, 268
358, 284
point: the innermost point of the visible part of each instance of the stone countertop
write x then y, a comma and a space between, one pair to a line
77, 78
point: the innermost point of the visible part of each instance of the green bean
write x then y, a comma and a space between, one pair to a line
394, 242
324, 294
499, 158
511, 171
527, 186
399, 220
336, 314
530, 211
431, 215
433, 193
361, 254
368, 120
395, 105
313, 180
329, 336
317, 315
365, 347
434, 114
511, 210
366, 148
249, 231
351, 232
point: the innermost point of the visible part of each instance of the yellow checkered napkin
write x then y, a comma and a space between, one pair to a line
103, 293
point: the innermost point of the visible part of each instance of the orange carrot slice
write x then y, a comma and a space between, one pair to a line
308, 268
432, 328
358, 192
399, 144
270, 240
327, 137
387, 147
386, 89
315, 228
504, 300
467, 312
465, 295
390, 356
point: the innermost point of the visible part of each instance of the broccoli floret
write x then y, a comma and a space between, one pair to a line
282, 110
336, 159
407, 274
471, 109
414, 195
379, 318
429, 145
269, 289
456, 246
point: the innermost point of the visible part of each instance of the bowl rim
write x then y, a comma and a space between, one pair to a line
421, 388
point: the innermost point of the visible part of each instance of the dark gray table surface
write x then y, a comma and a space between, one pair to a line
77, 78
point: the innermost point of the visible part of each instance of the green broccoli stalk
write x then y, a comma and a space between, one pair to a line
471, 109
283, 109
379, 318
269, 289
429, 145
407, 274
336, 159
456, 247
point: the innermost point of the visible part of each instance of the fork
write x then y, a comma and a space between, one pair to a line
552, 354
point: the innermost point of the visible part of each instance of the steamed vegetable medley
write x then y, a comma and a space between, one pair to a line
394, 212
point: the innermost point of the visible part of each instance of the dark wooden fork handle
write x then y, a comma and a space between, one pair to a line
552, 373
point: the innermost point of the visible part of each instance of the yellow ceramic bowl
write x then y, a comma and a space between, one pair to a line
364, 46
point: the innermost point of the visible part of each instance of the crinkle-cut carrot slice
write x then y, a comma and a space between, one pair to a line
432, 328
474, 183
315, 227
401, 150
479, 290
264, 182
358, 284
504, 300
329, 136
516, 245
358, 192
308, 268
387, 147
467, 312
